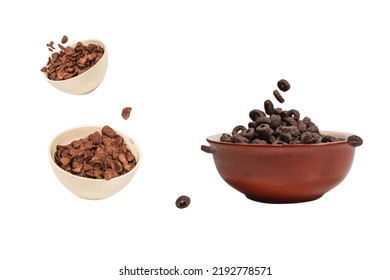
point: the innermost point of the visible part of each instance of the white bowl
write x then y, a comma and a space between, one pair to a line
87, 81
86, 187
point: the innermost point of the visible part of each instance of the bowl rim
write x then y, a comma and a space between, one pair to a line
215, 140
132, 139
78, 76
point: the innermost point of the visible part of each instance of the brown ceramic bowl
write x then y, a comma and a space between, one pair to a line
283, 173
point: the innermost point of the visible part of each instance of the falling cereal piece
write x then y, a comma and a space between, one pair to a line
126, 112
183, 201
278, 96
283, 85
64, 39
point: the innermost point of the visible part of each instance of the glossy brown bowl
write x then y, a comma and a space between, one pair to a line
283, 173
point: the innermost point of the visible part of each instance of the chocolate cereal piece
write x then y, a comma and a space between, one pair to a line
278, 96
238, 138
183, 201
238, 129
354, 141
294, 114
225, 137
108, 131
283, 85
126, 112
255, 113
64, 39
269, 107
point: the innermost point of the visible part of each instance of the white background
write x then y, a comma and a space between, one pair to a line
190, 69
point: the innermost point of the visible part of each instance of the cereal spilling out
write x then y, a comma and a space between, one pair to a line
99, 156
183, 201
69, 61
126, 112
278, 126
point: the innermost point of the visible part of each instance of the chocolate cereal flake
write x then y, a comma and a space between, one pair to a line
64, 39
126, 112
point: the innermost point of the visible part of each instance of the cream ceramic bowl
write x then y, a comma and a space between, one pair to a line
86, 187
89, 80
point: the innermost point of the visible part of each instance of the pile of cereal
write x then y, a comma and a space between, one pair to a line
70, 62
278, 126
99, 156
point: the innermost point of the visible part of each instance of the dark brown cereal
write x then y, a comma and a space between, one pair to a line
328, 138
262, 120
255, 113
264, 131
291, 121
294, 114
126, 112
285, 137
278, 96
301, 126
225, 137
283, 85
310, 137
306, 120
278, 130
293, 130
271, 139
98, 156
238, 138
307, 137
258, 141
275, 121
278, 126
248, 133
252, 124
182, 201
312, 128
269, 107
296, 142
277, 111
283, 114
278, 142
354, 141
238, 129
